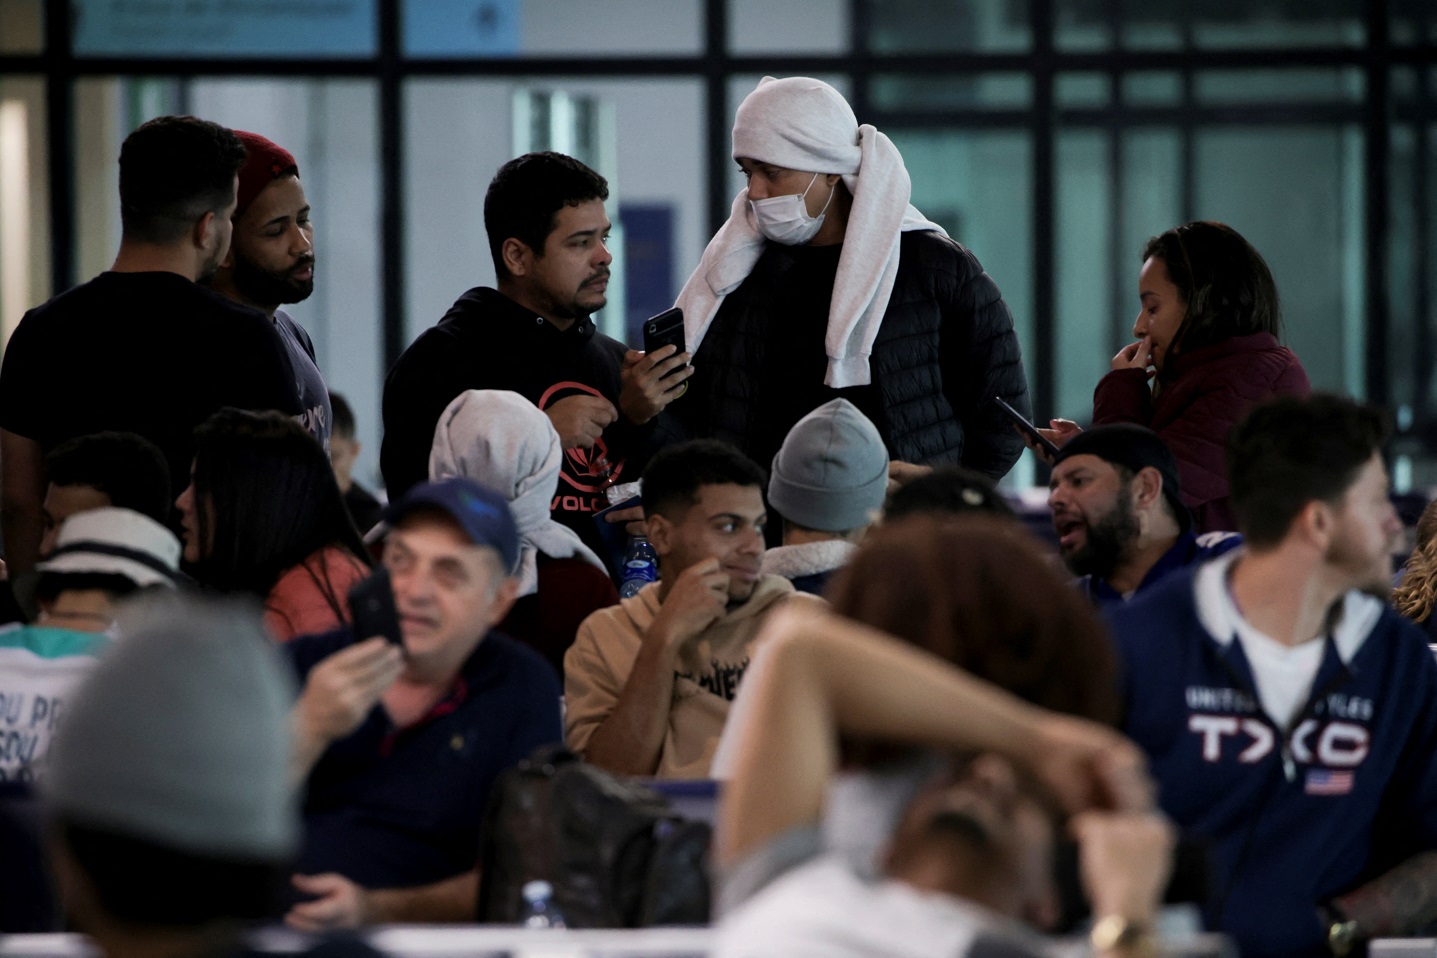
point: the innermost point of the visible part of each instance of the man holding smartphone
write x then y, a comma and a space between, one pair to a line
399, 744
548, 234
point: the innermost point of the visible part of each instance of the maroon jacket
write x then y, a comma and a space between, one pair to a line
1208, 391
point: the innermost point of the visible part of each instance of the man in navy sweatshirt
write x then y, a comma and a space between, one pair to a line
1290, 716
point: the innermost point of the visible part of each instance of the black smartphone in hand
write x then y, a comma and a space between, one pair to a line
666, 329
1027, 428
371, 602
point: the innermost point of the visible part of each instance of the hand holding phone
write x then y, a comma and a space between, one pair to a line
1035, 438
666, 329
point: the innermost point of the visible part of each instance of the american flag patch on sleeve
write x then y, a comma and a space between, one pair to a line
1324, 781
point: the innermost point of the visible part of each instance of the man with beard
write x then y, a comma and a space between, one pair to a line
271, 262
142, 348
1290, 715
1119, 514
548, 235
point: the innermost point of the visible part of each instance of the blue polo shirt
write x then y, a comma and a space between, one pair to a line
1188, 550
392, 807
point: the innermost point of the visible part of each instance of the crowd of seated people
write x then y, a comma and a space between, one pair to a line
294, 703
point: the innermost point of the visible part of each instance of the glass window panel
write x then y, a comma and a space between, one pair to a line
223, 28
1152, 88
24, 200
1244, 86
1084, 340
1412, 329
1412, 21
794, 26
984, 91
948, 26
22, 27
978, 187
1083, 89
1082, 25
551, 27
1230, 24
1262, 182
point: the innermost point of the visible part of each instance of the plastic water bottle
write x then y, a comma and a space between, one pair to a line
539, 911
641, 566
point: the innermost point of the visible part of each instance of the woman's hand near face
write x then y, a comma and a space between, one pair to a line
1138, 355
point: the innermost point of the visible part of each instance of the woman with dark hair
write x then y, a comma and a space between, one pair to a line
1207, 339
263, 515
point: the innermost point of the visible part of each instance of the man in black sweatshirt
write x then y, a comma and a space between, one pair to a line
547, 227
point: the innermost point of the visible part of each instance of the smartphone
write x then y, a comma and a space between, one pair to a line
1028, 429
666, 329
371, 602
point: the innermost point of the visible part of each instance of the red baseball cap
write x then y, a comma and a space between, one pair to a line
264, 161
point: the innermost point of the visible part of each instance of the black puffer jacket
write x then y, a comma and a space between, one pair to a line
945, 349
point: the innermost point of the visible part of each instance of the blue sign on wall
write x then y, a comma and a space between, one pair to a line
458, 28
226, 28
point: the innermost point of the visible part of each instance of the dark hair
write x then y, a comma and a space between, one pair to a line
949, 490
49, 585
675, 474
179, 889
977, 591
272, 496
127, 467
174, 170
525, 195
342, 423
1225, 283
1291, 451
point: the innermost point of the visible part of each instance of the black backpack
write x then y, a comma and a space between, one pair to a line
616, 853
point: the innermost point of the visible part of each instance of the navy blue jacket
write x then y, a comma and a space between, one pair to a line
389, 806
1189, 549
1295, 817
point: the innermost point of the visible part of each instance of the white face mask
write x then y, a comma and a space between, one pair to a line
785, 219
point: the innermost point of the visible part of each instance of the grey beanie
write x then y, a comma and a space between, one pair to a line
180, 736
832, 471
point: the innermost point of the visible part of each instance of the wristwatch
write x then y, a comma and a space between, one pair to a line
1116, 933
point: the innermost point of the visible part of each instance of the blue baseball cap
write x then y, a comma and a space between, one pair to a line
481, 512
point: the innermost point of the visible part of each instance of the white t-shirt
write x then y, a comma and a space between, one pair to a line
823, 908
1283, 674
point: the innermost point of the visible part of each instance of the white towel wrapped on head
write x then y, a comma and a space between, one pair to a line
503, 441
804, 124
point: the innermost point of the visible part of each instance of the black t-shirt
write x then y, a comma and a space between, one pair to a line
151, 353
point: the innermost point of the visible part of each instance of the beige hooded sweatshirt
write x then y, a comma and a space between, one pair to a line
706, 675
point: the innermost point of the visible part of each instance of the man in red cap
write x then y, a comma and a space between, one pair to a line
271, 262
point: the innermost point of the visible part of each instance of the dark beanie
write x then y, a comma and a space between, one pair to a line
1133, 447
264, 162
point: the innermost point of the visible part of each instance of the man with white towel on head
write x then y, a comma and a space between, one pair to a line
826, 283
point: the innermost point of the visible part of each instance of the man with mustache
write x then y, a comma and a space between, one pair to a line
271, 262
548, 235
